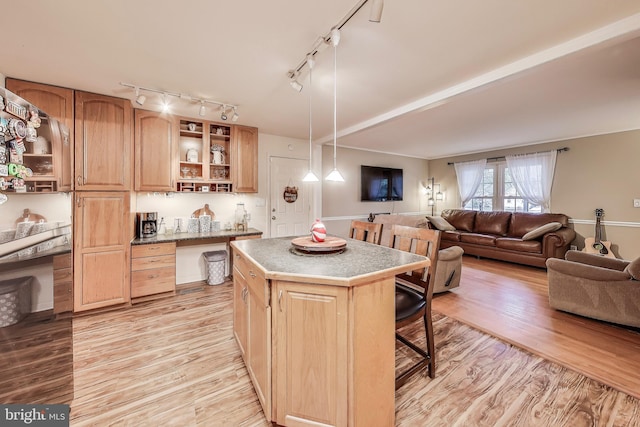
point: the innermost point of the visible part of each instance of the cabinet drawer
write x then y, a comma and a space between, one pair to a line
254, 277
153, 262
148, 282
62, 275
139, 251
62, 261
62, 296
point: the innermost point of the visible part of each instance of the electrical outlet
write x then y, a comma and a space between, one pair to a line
636, 203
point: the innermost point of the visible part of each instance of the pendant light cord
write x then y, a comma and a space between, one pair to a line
310, 117
335, 103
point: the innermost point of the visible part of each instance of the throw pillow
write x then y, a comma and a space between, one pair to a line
440, 223
542, 230
633, 269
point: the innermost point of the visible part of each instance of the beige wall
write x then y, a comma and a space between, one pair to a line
596, 172
341, 200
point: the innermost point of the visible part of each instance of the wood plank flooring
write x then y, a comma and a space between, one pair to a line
174, 362
510, 301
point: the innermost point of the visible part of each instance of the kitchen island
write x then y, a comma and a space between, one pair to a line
317, 332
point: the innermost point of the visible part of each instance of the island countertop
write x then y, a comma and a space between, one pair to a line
359, 262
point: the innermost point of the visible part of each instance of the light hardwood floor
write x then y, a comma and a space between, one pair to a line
510, 302
174, 361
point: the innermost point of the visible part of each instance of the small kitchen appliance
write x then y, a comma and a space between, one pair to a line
147, 224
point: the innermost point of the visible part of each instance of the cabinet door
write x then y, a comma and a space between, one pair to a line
57, 102
101, 249
311, 354
155, 136
104, 141
240, 311
259, 343
245, 159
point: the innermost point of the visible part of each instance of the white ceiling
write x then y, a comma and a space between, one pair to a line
433, 79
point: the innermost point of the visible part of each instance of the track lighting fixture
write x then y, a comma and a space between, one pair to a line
141, 98
375, 14
223, 114
293, 81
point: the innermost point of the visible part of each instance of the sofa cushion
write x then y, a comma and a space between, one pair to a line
462, 220
633, 269
542, 230
495, 222
515, 244
440, 223
478, 239
523, 222
453, 236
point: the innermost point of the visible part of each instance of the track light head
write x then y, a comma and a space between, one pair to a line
140, 100
223, 114
375, 14
293, 80
203, 110
235, 116
165, 103
311, 61
334, 36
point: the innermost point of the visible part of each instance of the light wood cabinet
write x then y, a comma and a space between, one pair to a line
103, 142
252, 326
101, 234
311, 329
58, 103
62, 283
245, 159
153, 270
155, 136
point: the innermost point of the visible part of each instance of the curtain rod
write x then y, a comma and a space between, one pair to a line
495, 159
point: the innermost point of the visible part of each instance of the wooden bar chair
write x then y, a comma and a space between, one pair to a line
365, 231
414, 291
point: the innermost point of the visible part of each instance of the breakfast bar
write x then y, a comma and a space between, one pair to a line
317, 331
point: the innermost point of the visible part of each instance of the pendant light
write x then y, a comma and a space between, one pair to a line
310, 176
334, 175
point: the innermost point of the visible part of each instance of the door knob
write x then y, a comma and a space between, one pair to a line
273, 218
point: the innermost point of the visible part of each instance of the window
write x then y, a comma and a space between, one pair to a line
497, 192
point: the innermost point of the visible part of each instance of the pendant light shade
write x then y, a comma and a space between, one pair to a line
335, 175
310, 176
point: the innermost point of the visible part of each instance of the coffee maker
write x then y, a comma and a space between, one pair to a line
146, 224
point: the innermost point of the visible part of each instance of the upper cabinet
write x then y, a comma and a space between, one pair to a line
245, 159
103, 142
57, 102
216, 157
155, 142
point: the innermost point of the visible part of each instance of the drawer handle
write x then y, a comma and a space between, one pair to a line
280, 300
153, 276
154, 260
154, 248
237, 256
244, 294
252, 274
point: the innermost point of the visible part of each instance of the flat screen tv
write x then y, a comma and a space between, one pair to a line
380, 184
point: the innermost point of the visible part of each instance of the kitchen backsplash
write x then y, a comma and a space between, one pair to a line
182, 205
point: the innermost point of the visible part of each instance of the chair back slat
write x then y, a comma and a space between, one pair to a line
420, 241
365, 231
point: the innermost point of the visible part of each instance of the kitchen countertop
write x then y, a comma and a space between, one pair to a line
179, 237
56, 250
357, 264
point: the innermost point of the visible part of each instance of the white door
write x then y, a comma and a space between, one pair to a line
289, 219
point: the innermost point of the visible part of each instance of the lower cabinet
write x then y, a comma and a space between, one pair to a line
62, 284
101, 237
252, 326
153, 270
311, 330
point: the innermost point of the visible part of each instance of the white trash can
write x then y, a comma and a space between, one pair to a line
15, 300
216, 262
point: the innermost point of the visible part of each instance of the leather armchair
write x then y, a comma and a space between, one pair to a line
594, 286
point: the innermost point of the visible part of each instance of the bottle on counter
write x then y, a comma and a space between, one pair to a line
240, 217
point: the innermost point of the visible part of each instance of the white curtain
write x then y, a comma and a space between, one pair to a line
469, 176
532, 175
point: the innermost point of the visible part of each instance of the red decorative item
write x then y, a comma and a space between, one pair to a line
318, 231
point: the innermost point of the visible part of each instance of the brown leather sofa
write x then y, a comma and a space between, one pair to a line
499, 235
